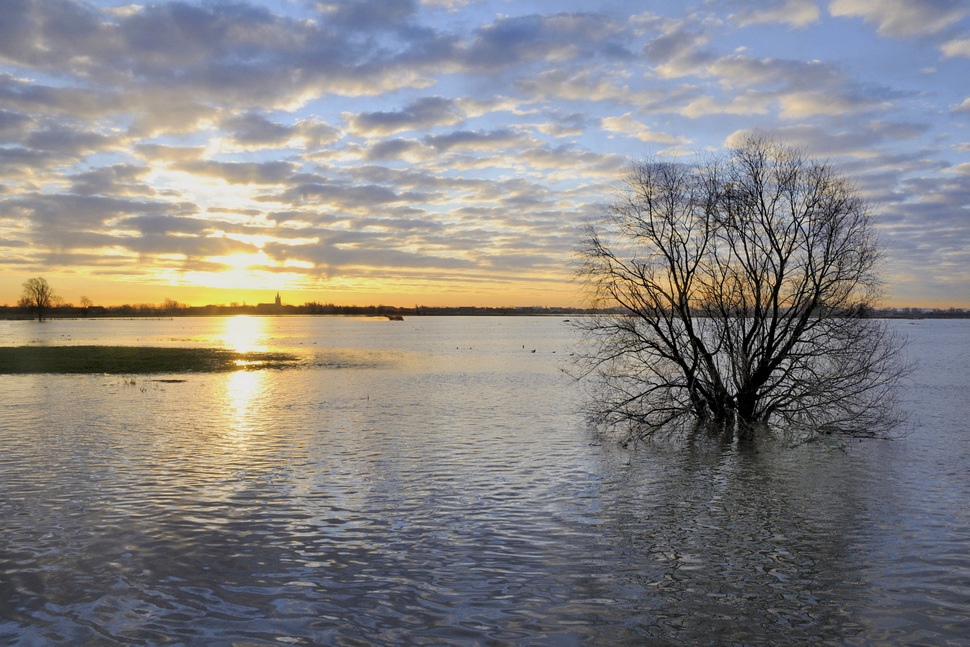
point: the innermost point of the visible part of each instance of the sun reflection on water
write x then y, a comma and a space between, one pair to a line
244, 396
245, 388
245, 334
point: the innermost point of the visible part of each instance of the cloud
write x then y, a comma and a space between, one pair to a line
124, 180
162, 154
794, 13
218, 55
12, 123
903, 18
741, 71
961, 109
796, 90
422, 114
803, 104
428, 141
162, 225
253, 131
396, 149
561, 125
627, 125
53, 33
447, 5
575, 84
320, 192
919, 208
25, 163
957, 47
40, 100
679, 50
750, 103
273, 172
256, 129
368, 15
559, 38
70, 141
477, 140
61, 223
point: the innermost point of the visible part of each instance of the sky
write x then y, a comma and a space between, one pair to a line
446, 152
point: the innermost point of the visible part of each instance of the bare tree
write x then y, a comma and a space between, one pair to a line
172, 306
740, 289
37, 296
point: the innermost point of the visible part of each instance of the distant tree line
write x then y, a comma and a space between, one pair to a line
39, 301
170, 308
148, 310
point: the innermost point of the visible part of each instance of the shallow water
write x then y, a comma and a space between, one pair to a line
430, 482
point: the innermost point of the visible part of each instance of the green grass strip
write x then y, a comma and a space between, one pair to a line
133, 359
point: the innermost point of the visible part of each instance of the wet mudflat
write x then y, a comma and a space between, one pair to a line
132, 359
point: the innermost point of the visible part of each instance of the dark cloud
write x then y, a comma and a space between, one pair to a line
253, 128
389, 149
119, 179
558, 124
470, 139
402, 224
371, 252
273, 172
24, 162
38, 99
163, 224
48, 34
561, 37
422, 114
172, 39
196, 248
368, 15
75, 142
337, 196
12, 123
65, 217
680, 48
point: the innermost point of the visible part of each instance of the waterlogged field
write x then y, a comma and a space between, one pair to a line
431, 482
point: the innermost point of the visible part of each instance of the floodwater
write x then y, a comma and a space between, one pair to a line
431, 482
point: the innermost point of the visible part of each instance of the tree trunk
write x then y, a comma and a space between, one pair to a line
747, 404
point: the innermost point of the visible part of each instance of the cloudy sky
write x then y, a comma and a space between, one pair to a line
445, 151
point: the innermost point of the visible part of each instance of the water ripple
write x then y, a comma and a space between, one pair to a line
453, 497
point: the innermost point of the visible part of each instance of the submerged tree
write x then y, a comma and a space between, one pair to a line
37, 296
740, 290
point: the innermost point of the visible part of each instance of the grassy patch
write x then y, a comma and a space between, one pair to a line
133, 359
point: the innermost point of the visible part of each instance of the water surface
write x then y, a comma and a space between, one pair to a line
431, 482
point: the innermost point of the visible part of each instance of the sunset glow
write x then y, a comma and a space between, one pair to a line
411, 152
244, 334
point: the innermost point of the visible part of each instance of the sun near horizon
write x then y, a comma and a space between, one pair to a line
234, 287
